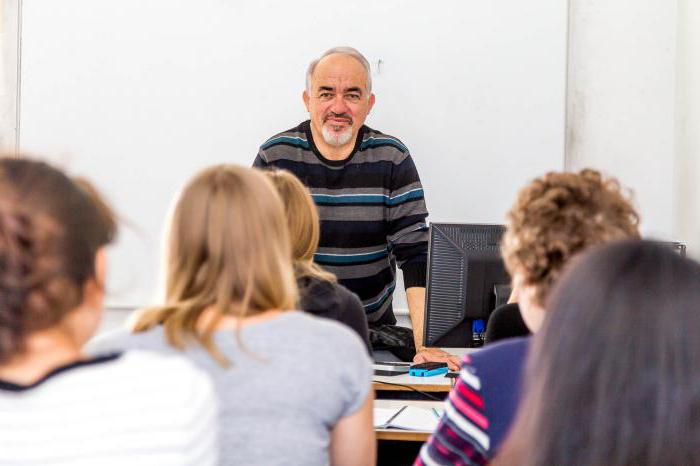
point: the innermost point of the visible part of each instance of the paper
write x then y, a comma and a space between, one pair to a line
407, 418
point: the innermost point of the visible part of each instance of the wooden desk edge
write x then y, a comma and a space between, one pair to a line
402, 388
404, 435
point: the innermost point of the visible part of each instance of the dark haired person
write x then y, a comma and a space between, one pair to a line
58, 406
554, 218
626, 316
506, 322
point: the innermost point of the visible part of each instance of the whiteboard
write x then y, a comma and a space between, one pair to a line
140, 94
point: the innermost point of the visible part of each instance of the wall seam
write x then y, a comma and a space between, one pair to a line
18, 98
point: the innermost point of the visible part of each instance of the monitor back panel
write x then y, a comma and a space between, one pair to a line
464, 263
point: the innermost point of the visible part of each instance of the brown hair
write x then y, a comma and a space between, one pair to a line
51, 228
613, 376
303, 223
559, 215
227, 251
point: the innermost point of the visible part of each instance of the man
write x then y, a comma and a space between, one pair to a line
367, 190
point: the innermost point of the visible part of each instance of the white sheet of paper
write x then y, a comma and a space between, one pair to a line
382, 415
411, 418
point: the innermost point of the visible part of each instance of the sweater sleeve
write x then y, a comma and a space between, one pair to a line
261, 160
408, 231
461, 437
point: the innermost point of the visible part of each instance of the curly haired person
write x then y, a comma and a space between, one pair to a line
553, 219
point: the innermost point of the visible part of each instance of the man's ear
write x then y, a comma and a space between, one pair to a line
305, 96
371, 102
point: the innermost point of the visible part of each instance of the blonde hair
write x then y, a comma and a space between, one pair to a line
227, 250
303, 223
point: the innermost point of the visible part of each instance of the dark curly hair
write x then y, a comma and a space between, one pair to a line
50, 230
559, 215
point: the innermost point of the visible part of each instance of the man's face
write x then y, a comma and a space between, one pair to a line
338, 102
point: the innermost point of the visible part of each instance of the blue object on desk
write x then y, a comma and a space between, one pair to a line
427, 372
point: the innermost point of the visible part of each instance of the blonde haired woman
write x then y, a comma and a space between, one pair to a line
230, 293
319, 291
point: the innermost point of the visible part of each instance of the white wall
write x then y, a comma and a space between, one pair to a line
9, 23
687, 213
633, 104
139, 95
621, 100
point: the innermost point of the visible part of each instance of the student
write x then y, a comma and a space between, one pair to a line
319, 291
57, 406
626, 317
293, 388
506, 322
553, 219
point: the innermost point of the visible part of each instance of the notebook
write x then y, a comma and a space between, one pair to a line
407, 418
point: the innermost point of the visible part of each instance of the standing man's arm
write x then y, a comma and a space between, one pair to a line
416, 310
408, 240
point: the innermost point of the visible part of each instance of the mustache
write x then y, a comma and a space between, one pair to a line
343, 116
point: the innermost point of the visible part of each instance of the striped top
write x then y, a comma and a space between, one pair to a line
132, 409
481, 407
372, 211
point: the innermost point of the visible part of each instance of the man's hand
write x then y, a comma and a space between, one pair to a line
437, 355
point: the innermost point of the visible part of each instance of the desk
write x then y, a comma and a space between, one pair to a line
405, 382
436, 383
404, 435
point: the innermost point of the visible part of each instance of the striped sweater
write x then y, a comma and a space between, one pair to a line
372, 211
481, 407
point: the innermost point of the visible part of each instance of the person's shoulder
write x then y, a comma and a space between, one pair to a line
327, 333
171, 375
318, 296
382, 147
505, 311
171, 366
315, 284
133, 372
123, 339
294, 137
505, 322
327, 292
511, 349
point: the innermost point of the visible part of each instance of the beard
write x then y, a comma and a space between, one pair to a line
335, 139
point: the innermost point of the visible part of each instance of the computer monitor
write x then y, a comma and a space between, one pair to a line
465, 269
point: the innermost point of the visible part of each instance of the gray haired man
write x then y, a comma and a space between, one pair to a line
367, 189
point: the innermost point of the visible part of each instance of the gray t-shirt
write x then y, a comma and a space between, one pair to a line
292, 380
